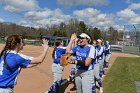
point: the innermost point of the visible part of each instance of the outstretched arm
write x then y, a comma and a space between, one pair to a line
40, 58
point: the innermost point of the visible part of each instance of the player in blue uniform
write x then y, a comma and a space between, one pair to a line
56, 67
84, 54
100, 54
99, 64
11, 62
107, 51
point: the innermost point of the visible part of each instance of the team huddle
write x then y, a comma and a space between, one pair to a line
89, 60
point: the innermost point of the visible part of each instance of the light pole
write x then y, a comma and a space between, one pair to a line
135, 36
123, 38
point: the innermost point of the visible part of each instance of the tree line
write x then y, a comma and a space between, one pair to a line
62, 30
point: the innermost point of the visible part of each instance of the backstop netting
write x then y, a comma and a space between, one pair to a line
131, 38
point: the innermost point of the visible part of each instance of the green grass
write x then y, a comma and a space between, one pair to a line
122, 76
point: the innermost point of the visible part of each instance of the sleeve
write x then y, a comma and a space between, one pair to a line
101, 51
63, 50
24, 60
109, 47
92, 52
74, 49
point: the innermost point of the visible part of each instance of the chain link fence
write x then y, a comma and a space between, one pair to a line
131, 39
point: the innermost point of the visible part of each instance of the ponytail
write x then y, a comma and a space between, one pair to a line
57, 43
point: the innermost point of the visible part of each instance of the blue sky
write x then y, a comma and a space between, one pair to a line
95, 13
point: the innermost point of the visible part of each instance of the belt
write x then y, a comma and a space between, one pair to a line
5, 87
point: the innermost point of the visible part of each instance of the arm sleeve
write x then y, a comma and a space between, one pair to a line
92, 52
64, 49
24, 60
74, 49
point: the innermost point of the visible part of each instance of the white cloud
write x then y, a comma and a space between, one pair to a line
45, 18
38, 15
69, 3
88, 12
1, 20
129, 16
19, 5
134, 6
126, 13
135, 20
94, 17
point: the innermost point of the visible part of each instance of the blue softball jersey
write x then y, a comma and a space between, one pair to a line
58, 52
15, 61
83, 53
100, 51
107, 49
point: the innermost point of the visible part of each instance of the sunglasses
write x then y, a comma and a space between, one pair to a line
82, 38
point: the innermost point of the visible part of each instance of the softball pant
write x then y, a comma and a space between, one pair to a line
84, 81
6, 90
96, 74
57, 71
107, 57
101, 67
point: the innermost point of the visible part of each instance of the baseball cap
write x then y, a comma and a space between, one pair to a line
82, 35
107, 42
99, 40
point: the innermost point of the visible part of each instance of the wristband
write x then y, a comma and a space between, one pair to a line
81, 62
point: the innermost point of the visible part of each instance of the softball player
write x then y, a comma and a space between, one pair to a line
11, 62
57, 52
84, 54
97, 67
100, 55
107, 53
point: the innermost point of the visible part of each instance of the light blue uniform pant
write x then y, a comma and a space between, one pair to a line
101, 63
101, 66
96, 71
6, 90
107, 57
84, 81
96, 74
57, 71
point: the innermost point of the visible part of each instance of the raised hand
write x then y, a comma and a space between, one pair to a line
73, 36
45, 43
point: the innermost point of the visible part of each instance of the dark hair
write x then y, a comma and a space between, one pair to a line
11, 43
91, 39
57, 43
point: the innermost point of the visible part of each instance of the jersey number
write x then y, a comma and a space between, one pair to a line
79, 58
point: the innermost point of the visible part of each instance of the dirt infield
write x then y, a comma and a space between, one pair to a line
38, 79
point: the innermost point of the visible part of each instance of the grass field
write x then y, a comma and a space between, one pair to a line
122, 76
